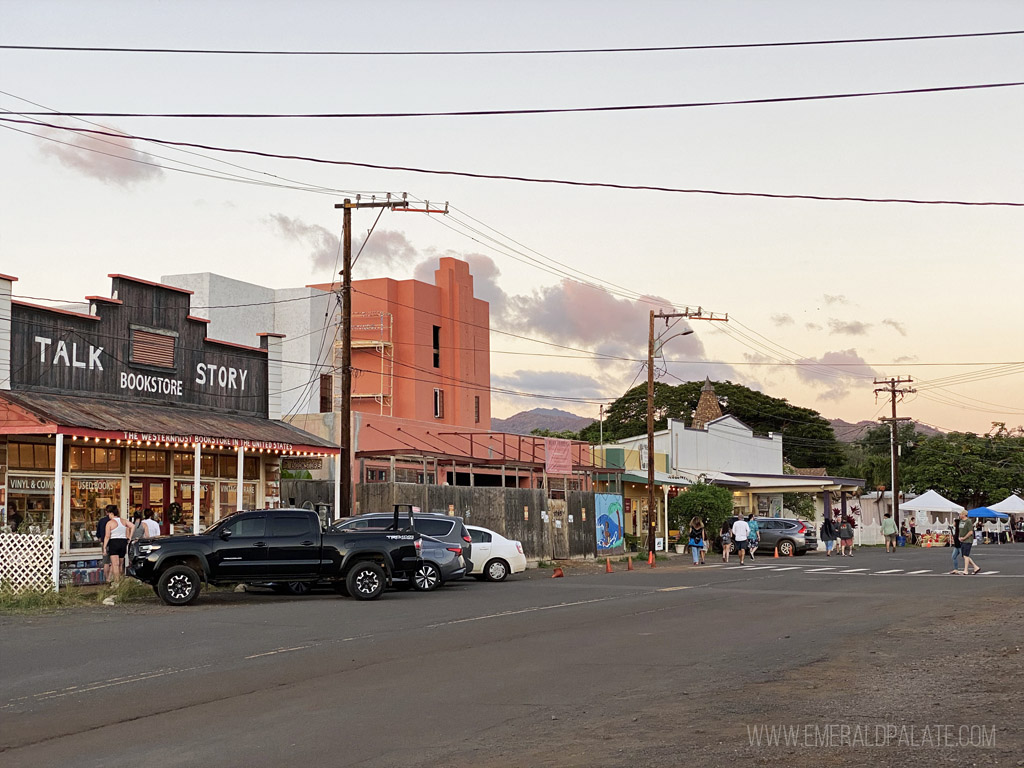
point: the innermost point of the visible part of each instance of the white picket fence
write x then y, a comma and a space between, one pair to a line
26, 561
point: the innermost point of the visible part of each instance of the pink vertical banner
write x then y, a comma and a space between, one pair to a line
557, 456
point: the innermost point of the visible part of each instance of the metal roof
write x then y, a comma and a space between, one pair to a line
90, 414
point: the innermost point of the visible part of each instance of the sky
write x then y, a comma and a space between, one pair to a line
822, 296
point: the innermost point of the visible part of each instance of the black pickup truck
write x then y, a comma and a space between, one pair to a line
274, 546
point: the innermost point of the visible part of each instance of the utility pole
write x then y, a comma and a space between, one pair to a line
895, 392
343, 486
688, 314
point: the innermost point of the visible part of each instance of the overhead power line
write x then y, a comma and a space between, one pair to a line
500, 177
518, 112
508, 52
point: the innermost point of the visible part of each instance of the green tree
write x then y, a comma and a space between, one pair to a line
870, 456
713, 503
968, 469
808, 439
565, 434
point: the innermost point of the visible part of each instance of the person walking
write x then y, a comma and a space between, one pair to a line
741, 536
115, 541
754, 538
726, 534
889, 531
828, 535
955, 544
966, 531
696, 539
846, 538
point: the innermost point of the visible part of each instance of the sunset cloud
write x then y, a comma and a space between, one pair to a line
117, 161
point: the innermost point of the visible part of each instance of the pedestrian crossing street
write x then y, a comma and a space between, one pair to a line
842, 570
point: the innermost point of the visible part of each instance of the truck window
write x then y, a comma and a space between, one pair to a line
248, 527
291, 527
434, 527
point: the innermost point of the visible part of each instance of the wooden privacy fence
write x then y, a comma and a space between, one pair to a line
548, 528
26, 561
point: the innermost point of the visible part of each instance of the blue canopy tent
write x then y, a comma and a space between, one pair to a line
985, 513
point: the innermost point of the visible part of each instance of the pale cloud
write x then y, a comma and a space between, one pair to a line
112, 160
848, 328
836, 299
896, 326
835, 373
782, 319
324, 245
485, 279
564, 383
812, 326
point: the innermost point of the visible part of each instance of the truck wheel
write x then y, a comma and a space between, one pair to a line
178, 585
427, 578
366, 581
496, 570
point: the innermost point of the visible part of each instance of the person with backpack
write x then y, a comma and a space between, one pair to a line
846, 538
696, 539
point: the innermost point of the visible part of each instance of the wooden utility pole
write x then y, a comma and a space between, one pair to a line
343, 486
895, 393
688, 314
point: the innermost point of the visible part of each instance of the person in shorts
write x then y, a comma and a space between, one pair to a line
726, 534
101, 531
966, 531
740, 534
889, 531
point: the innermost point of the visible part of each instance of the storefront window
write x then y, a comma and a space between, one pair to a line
32, 499
227, 466
88, 498
185, 463
229, 497
31, 456
183, 495
272, 487
147, 462
93, 459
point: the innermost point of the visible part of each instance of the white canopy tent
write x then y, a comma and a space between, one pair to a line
940, 511
1012, 505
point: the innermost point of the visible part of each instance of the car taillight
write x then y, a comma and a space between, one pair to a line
803, 528
419, 543
456, 550
467, 538
519, 547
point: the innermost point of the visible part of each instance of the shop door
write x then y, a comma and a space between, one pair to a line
557, 509
153, 492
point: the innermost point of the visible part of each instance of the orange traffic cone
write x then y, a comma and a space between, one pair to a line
776, 553
928, 544
608, 565
629, 563
650, 559
791, 551
557, 574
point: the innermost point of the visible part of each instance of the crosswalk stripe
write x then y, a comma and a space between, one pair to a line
825, 570
911, 573
792, 568
987, 573
854, 570
895, 570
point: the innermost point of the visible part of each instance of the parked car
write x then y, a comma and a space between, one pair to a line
496, 556
789, 534
279, 546
446, 546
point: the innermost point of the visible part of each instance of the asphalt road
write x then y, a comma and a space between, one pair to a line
661, 667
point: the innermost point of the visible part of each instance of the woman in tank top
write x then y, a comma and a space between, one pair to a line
115, 541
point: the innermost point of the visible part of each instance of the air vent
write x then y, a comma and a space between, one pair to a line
156, 349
